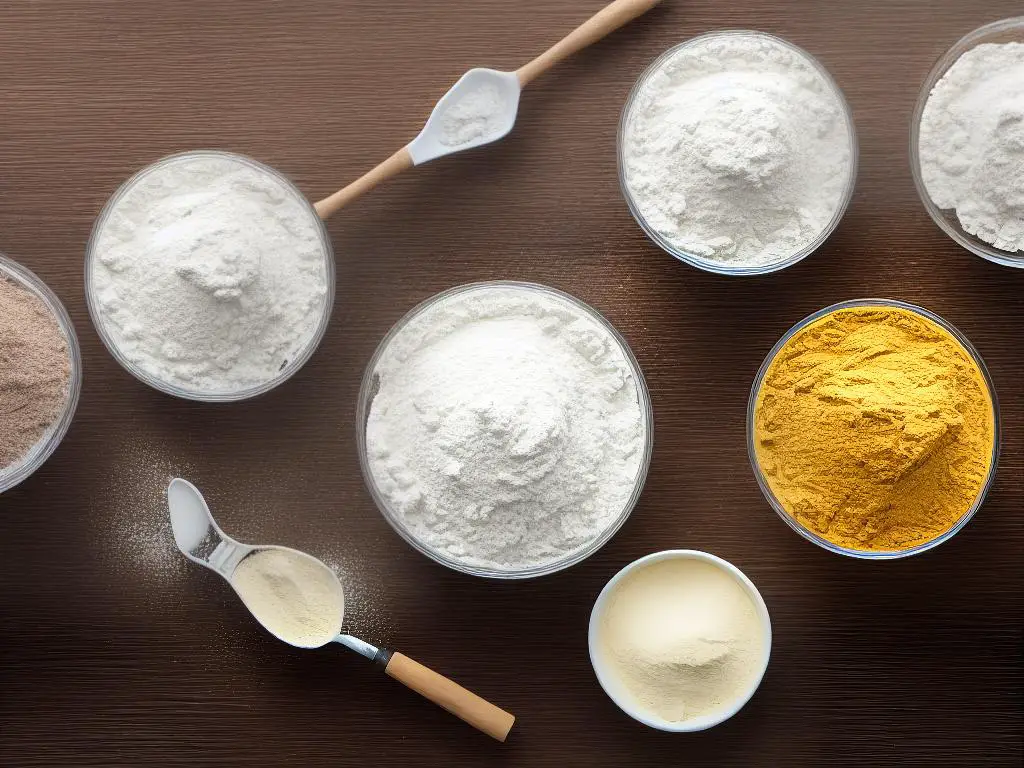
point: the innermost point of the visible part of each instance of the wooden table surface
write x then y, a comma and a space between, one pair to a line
115, 653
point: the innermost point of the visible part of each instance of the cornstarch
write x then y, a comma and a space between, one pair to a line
737, 150
507, 431
210, 273
971, 143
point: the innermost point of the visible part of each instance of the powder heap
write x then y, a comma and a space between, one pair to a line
507, 431
478, 113
874, 428
209, 273
35, 370
292, 595
971, 143
683, 638
737, 151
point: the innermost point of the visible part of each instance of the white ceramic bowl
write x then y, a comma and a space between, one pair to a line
610, 683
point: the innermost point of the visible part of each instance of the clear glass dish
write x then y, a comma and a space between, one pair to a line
11, 475
293, 365
811, 535
1005, 31
369, 388
699, 261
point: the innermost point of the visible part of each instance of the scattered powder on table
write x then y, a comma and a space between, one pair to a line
138, 539
971, 143
875, 428
737, 150
683, 638
291, 595
35, 370
477, 114
210, 273
507, 431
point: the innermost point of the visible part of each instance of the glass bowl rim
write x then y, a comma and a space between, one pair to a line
365, 400
55, 433
700, 262
294, 365
604, 675
776, 505
942, 65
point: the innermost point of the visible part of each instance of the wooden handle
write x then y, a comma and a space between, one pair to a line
393, 166
439, 689
601, 24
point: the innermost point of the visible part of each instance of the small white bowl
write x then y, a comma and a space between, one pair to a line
613, 687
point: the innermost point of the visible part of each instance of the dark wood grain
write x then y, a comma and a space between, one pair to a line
116, 654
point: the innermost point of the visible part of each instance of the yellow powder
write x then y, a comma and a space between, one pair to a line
875, 428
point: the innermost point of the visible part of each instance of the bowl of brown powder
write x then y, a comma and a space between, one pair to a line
40, 373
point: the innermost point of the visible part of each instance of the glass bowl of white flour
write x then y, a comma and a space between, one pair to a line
210, 277
504, 429
967, 142
737, 153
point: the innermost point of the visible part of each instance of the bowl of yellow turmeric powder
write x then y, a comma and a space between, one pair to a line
873, 429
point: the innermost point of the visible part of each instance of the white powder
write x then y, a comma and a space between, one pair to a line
210, 274
971, 143
683, 637
477, 114
293, 595
507, 431
737, 150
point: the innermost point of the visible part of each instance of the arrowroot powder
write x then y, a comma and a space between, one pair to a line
506, 432
736, 149
971, 143
210, 273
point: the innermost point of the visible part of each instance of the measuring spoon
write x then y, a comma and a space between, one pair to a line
428, 145
202, 541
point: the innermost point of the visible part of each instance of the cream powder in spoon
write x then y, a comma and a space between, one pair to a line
683, 638
292, 595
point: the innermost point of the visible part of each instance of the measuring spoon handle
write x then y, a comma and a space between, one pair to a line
478, 712
601, 24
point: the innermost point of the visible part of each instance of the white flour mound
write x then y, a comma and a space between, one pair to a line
478, 114
507, 431
737, 150
210, 274
971, 143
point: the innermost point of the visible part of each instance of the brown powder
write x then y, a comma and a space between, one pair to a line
34, 370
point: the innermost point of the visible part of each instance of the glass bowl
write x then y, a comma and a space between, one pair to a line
810, 535
1005, 31
699, 261
609, 680
368, 391
211, 396
12, 475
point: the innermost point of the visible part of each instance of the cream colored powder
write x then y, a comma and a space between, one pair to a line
683, 638
293, 595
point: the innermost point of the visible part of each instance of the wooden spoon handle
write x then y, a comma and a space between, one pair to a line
478, 712
393, 166
601, 24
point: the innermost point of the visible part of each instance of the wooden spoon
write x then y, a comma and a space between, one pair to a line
503, 87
